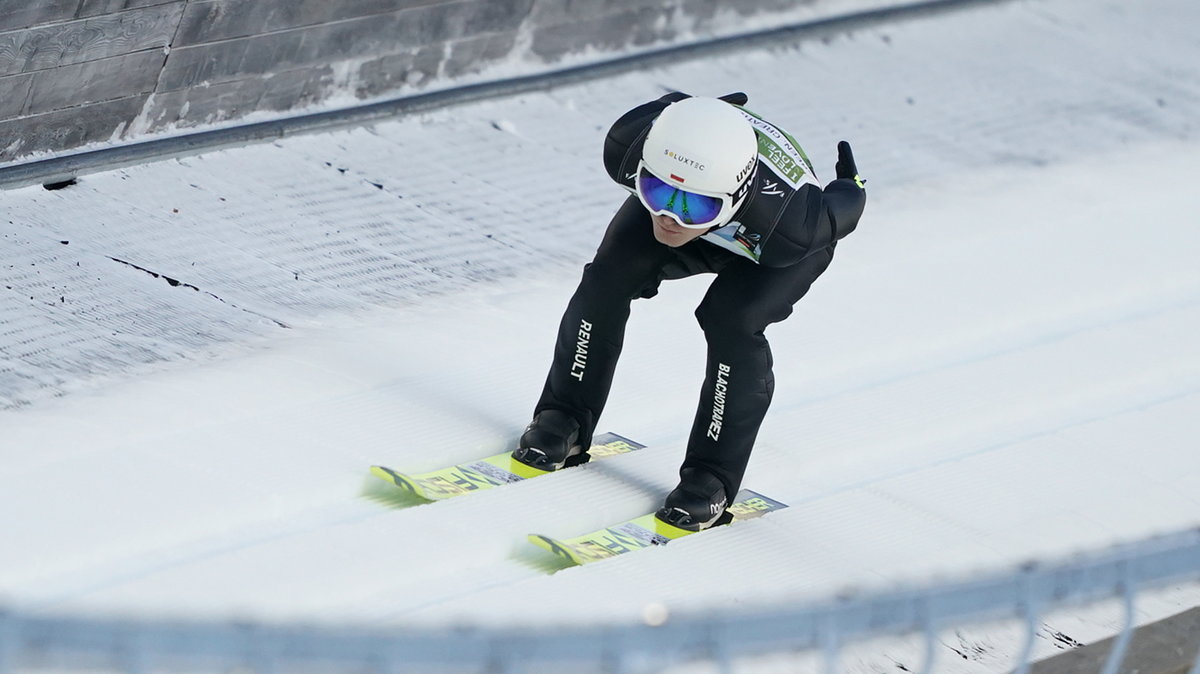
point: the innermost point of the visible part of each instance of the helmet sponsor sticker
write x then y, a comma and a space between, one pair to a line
684, 160
745, 172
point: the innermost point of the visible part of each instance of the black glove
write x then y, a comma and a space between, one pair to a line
846, 168
737, 98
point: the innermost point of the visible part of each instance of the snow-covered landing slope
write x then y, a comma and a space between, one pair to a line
1001, 364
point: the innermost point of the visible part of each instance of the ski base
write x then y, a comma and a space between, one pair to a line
489, 472
643, 532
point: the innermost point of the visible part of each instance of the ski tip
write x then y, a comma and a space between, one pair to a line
541, 541
397, 478
400, 480
559, 549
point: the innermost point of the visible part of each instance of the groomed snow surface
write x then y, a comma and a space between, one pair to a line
201, 357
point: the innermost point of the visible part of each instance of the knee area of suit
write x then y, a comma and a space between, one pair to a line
726, 324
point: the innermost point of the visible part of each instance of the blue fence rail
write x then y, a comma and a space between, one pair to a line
35, 642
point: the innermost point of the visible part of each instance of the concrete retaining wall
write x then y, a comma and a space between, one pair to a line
80, 72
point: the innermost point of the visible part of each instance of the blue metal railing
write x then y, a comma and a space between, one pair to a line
136, 646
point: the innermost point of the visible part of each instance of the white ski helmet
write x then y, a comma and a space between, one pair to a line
698, 156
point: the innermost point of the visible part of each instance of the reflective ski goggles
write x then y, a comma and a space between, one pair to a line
691, 209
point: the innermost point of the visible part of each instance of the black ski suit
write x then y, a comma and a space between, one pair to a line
793, 233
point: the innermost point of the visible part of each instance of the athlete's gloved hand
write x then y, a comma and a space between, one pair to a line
845, 167
737, 98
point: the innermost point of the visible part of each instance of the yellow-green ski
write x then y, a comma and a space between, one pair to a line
492, 471
643, 532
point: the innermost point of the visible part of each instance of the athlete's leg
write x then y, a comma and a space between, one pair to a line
592, 330
739, 382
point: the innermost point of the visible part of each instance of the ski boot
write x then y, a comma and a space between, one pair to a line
698, 502
550, 442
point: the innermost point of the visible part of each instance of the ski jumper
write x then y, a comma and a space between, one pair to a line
780, 240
